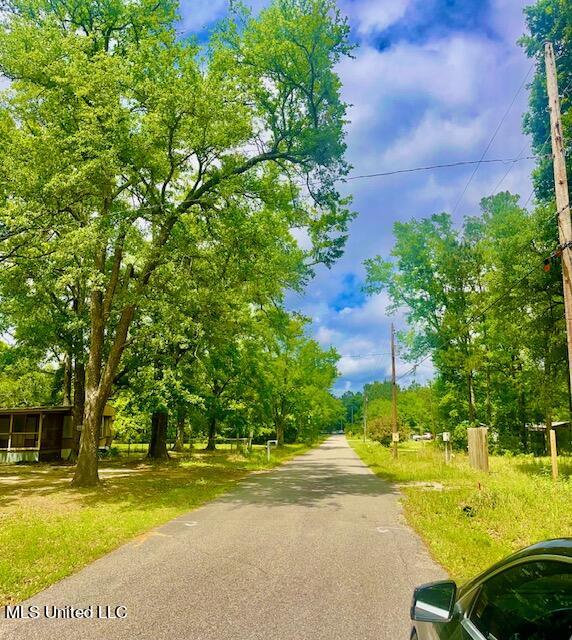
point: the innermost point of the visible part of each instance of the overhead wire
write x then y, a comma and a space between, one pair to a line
364, 355
444, 165
511, 167
492, 139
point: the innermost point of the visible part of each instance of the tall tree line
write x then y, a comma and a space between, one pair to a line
150, 190
481, 302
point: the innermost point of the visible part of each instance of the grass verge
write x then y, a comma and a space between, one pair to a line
49, 530
470, 519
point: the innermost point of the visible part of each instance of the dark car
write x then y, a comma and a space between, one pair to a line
527, 596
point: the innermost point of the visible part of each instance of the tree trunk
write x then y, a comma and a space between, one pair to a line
158, 444
522, 420
67, 382
190, 435
180, 439
211, 444
489, 402
471, 398
523, 432
78, 408
86, 470
99, 377
280, 432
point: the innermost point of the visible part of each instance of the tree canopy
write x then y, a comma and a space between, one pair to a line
137, 165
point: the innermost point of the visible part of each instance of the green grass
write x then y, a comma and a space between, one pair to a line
470, 519
49, 530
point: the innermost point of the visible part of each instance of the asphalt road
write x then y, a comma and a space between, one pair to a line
316, 549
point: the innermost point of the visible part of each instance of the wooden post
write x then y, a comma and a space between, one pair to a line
394, 433
553, 454
10, 432
478, 448
40, 429
561, 190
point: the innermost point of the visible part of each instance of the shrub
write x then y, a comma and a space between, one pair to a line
459, 438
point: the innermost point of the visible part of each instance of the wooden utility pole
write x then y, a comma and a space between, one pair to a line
561, 190
394, 432
364, 415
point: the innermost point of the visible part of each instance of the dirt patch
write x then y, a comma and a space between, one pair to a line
426, 486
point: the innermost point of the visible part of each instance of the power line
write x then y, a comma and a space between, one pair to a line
511, 167
478, 164
364, 355
445, 165
528, 199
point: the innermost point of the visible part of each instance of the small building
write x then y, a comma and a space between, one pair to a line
43, 434
537, 437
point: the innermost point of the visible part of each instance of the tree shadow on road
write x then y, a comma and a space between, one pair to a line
309, 483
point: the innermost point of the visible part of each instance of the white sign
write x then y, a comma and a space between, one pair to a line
446, 436
395, 437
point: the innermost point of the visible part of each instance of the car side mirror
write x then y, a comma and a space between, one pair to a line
434, 602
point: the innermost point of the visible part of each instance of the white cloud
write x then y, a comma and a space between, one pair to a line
436, 134
448, 71
373, 310
508, 19
325, 336
378, 15
350, 367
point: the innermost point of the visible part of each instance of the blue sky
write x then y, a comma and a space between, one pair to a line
429, 83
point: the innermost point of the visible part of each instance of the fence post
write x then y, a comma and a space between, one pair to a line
553, 454
478, 448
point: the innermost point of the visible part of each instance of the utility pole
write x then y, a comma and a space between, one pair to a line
562, 201
364, 415
394, 432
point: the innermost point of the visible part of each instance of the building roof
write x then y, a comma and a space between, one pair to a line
107, 411
60, 409
542, 427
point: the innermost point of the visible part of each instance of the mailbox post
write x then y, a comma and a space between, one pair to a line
447, 443
268, 445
